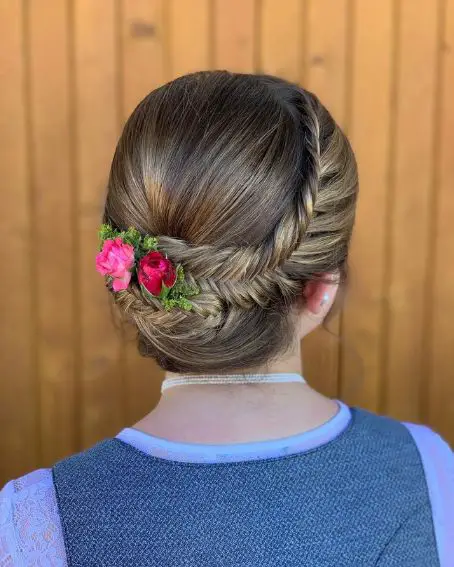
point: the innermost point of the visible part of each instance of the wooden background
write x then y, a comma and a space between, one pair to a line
72, 71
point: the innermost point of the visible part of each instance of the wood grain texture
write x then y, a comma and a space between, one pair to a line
412, 192
97, 114
20, 439
50, 165
326, 64
235, 37
143, 36
369, 130
281, 38
440, 379
189, 36
73, 70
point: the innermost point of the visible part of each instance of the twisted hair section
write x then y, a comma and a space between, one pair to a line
251, 186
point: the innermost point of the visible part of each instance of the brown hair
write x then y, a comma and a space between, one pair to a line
249, 184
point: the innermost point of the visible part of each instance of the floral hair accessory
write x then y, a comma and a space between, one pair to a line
127, 254
116, 260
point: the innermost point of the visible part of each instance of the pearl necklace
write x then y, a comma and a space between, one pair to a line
230, 379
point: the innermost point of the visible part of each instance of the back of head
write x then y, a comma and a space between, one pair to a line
250, 185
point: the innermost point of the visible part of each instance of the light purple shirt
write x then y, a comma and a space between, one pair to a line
31, 532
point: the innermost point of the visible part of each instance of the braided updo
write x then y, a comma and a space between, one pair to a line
247, 182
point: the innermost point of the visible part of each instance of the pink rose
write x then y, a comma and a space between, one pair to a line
116, 260
155, 270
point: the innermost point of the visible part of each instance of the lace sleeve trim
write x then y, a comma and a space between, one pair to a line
30, 529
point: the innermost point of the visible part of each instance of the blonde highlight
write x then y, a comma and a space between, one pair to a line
251, 186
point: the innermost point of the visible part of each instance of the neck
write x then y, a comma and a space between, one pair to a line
238, 413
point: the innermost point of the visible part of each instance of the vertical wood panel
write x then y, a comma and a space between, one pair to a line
18, 440
96, 135
189, 36
73, 70
281, 39
142, 70
51, 184
143, 59
326, 75
369, 129
412, 193
441, 377
234, 35
327, 28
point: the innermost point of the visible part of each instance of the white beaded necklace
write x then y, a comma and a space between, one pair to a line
230, 379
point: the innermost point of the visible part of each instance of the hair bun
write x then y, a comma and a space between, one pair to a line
251, 186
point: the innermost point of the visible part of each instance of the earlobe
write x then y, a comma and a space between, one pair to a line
318, 304
319, 294
315, 296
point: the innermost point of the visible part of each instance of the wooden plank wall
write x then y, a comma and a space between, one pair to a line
72, 71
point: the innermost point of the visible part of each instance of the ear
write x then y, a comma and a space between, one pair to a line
319, 296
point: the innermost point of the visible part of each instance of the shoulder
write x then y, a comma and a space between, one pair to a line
411, 443
109, 454
410, 447
30, 528
431, 446
396, 434
437, 459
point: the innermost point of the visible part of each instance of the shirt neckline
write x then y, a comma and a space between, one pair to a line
237, 452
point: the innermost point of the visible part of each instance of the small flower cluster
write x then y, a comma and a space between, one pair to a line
127, 254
